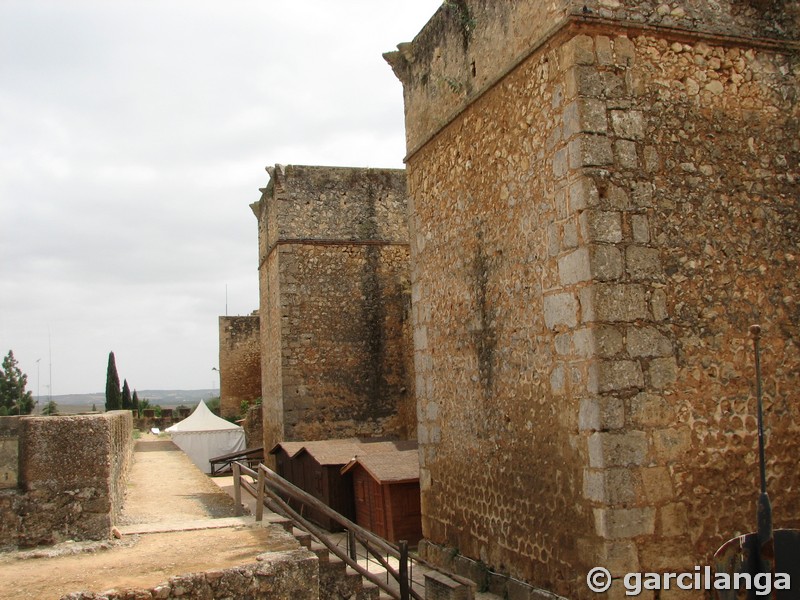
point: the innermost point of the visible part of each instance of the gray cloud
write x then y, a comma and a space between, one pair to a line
134, 137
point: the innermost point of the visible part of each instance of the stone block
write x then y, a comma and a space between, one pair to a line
590, 151
611, 303
584, 340
647, 341
603, 50
560, 310
585, 115
601, 226
623, 523
569, 238
619, 557
662, 372
574, 267
583, 194
671, 444
582, 81
561, 163
672, 555
642, 194
608, 340
673, 520
642, 263
578, 51
657, 484
601, 414
610, 486
558, 380
615, 375
658, 304
554, 239
640, 228
624, 51
650, 410
440, 587
606, 262
617, 449
563, 344
627, 124
625, 154
420, 338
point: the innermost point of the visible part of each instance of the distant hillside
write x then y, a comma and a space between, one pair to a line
164, 398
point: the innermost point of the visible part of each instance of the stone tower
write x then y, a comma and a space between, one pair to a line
603, 197
336, 344
239, 363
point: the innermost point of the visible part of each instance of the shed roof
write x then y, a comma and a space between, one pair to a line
388, 467
341, 451
291, 448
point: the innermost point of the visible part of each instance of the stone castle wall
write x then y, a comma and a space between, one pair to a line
336, 339
239, 363
592, 233
72, 476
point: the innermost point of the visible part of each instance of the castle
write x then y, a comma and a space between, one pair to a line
601, 197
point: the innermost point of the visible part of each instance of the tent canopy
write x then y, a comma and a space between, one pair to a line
203, 435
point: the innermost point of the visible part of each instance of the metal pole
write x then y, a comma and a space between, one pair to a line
764, 513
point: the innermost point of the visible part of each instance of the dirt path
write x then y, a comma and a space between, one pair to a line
166, 491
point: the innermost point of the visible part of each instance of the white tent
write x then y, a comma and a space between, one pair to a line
203, 435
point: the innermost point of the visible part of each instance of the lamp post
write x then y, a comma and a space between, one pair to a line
37, 381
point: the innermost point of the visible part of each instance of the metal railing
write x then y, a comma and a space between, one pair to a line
269, 488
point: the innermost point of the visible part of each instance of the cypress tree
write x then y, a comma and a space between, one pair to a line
113, 393
127, 403
135, 402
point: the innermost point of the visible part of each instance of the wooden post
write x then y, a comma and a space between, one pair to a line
260, 496
351, 543
237, 488
403, 570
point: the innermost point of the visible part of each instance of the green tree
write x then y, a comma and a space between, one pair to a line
50, 409
127, 402
144, 404
213, 404
135, 403
13, 397
113, 393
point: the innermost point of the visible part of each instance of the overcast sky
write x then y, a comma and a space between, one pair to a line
134, 136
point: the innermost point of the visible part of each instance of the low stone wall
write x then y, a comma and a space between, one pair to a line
72, 472
253, 427
9, 451
290, 575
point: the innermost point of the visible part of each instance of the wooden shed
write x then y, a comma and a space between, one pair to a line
315, 467
386, 490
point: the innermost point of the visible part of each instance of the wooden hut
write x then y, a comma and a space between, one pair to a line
386, 490
315, 467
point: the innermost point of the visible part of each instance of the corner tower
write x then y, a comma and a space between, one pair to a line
335, 303
603, 196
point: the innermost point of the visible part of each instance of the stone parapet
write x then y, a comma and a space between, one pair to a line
71, 478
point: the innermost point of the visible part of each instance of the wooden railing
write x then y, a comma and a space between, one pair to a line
222, 464
269, 488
